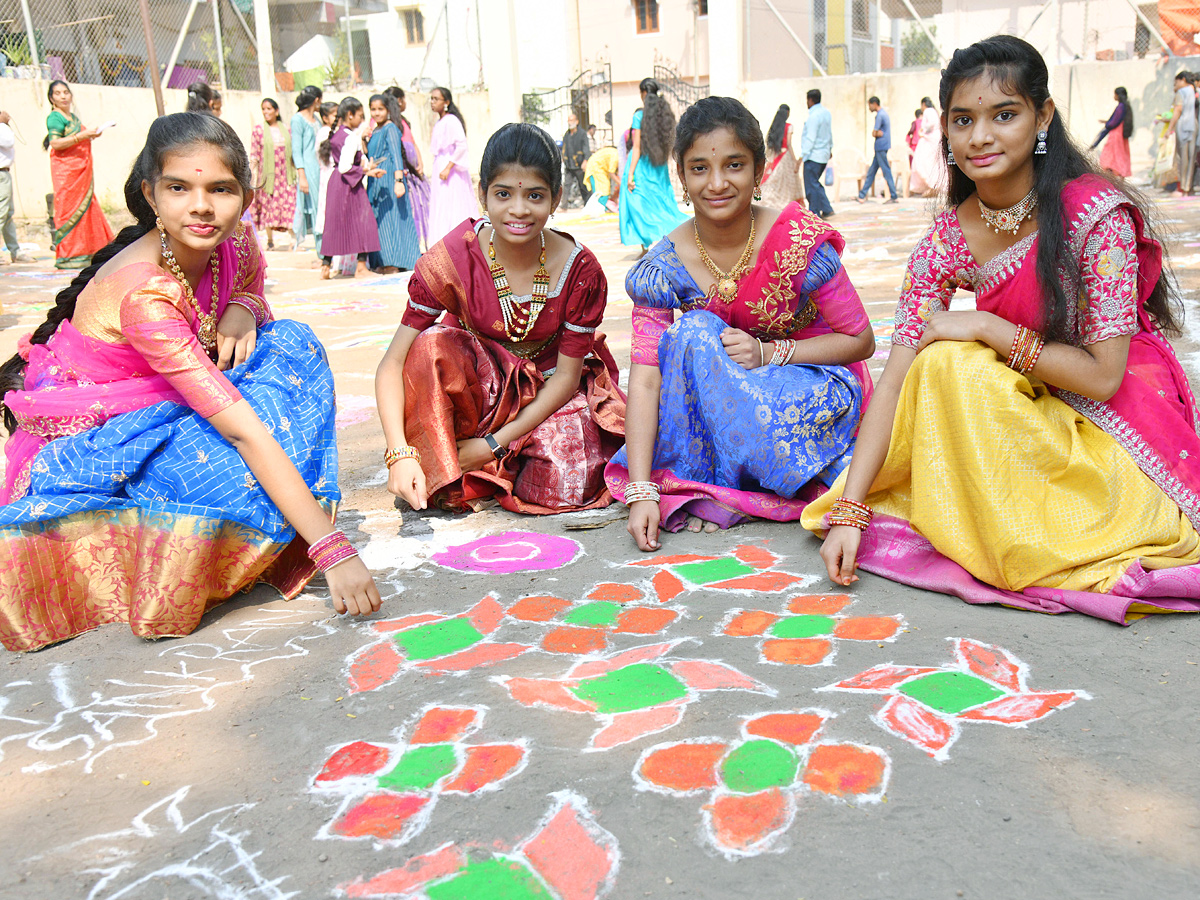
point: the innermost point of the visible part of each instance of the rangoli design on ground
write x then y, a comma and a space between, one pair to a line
753, 784
608, 608
927, 705
749, 569
509, 552
568, 856
633, 693
389, 791
807, 634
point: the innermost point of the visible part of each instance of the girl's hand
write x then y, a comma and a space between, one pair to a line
353, 589
302, 182
406, 480
643, 524
946, 325
742, 348
445, 173
237, 333
840, 553
629, 182
400, 189
474, 453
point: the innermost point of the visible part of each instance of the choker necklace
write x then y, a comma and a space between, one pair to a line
208, 320
519, 321
727, 282
1009, 220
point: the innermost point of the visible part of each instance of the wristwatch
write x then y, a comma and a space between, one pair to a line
497, 451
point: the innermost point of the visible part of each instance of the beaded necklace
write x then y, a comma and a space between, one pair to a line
727, 282
208, 320
518, 320
1009, 220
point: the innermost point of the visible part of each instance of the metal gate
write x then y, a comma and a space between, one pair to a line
679, 93
589, 96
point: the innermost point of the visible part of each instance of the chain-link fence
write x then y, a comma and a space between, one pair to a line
104, 42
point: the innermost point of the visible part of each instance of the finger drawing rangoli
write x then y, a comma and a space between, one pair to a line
389, 791
509, 552
568, 856
633, 693
808, 633
927, 705
753, 784
86, 721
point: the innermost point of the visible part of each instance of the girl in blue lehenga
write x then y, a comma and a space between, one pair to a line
748, 404
143, 484
647, 210
399, 246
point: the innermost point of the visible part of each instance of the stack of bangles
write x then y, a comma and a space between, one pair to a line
330, 550
393, 456
850, 512
640, 490
1026, 348
783, 352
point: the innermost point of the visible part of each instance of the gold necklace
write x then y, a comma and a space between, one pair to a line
727, 282
519, 321
208, 321
1009, 220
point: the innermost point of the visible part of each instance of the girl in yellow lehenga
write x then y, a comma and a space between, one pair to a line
1040, 451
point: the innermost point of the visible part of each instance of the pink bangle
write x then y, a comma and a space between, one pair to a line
330, 550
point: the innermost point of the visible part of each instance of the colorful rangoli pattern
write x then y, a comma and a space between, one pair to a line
808, 633
509, 552
753, 784
567, 857
927, 705
631, 694
389, 791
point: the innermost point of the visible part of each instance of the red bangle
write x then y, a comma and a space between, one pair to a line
330, 550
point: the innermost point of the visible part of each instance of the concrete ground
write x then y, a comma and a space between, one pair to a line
548, 713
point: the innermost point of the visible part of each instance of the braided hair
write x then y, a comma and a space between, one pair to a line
167, 135
658, 123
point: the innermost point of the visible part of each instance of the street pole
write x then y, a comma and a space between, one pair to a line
262, 40
152, 57
349, 41
220, 43
29, 35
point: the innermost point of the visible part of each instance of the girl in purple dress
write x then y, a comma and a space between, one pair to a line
350, 228
451, 198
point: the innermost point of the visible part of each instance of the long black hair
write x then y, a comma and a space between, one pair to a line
710, 113
324, 150
200, 97
167, 135
451, 109
658, 123
50, 97
1018, 69
1127, 120
348, 107
778, 127
393, 111
308, 97
521, 144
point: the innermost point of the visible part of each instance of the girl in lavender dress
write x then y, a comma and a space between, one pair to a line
451, 199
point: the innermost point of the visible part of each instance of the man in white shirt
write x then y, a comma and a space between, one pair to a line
8, 152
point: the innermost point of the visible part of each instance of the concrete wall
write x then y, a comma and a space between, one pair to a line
133, 109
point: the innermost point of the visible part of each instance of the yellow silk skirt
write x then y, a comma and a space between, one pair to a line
1014, 485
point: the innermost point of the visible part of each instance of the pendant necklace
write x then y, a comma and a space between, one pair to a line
518, 320
727, 282
1009, 220
208, 320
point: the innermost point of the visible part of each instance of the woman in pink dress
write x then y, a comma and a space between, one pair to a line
1118, 128
451, 198
928, 174
274, 207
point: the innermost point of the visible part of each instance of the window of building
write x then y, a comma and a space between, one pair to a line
646, 12
414, 26
702, 7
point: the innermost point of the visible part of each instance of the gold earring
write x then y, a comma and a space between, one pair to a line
758, 190
687, 200
159, 225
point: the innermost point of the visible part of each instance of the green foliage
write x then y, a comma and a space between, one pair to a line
916, 49
532, 110
15, 45
336, 72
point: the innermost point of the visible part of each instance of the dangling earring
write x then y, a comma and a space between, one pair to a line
687, 200
758, 190
162, 232
1040, 149
950, 155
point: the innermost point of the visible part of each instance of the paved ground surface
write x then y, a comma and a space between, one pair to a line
550, 714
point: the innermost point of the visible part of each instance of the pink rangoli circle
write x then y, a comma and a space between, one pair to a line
511, 551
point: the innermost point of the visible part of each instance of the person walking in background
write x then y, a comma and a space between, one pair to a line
350, 228
648, 209
80, 228
882, 132
1183, 126
602, 177
781, 178
928, 164
418, 187
1118, 127
399, 245
304, 126
575, 153
274, 207
913, 136
816, 149
8, 152
593, 141
451, 199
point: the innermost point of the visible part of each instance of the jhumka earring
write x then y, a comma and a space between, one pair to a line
950, 155
1040, 149
758, 190
159, 225
687, 200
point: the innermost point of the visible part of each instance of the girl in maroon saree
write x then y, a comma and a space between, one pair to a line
513, 395
1041, 451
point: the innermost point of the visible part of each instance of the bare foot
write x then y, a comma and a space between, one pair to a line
324, 272
695, 525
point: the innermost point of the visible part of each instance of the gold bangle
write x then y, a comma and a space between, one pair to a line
395, 454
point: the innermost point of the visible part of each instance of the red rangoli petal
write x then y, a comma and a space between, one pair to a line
750, 622
670, 560
374, 666
486, 764
762, 581
700, 675
537, 609
919, 725
384, 816
595, 667
994, 664
573, 639
645, 620
666, 586
759, 557
612, 592
442, 725
819, 604
391, 625
546, 692
486, 615
844, 770
684, 767
352, 760
573, 854
789, 728
866, 628
739, 822
630, 726
882, 677
417, 872
479, 655
1021, 708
